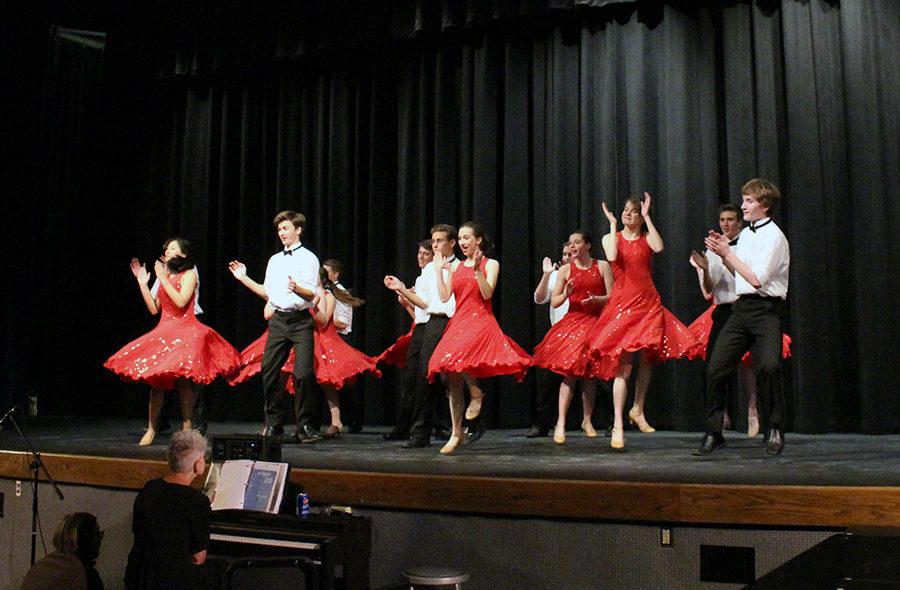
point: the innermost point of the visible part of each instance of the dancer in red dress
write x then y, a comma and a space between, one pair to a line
336, 363
585, 283
180, 350
473, 343
634, 320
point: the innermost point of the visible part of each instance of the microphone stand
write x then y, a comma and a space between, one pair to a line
36, 465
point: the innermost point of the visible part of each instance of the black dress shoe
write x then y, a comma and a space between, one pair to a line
272, 431
441, 432
711, 442
307, 434
163, 425
537, 431
396, 435
775, 441
476, 429
416, 443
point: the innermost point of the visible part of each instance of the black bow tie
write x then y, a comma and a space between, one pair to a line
753, 227
290, 252
733, 242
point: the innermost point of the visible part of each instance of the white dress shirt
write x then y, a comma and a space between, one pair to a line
302, 266
343, 313
556, 313
154, 290
421, 316
722, 280
767, 253
432, 297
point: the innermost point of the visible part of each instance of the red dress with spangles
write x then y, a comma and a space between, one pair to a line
473, 342
179, 347
701, 327
395, 354
564, 349
336, 363
634, 318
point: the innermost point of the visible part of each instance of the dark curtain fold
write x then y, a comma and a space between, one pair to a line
525, 117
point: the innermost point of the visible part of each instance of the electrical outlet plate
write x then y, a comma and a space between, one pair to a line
18, 488
665, 537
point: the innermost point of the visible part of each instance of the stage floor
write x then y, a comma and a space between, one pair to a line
661, 457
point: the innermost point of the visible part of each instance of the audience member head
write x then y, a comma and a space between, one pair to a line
79, 534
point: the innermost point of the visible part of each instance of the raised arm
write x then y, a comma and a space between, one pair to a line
654, 240
609, 242
180, 297
143, 279
325, 308
701, 263
487, 280
399, 287
563, 287
239, 271
541, 294
445, 288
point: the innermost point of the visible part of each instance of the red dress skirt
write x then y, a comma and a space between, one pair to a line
564, 349
634, 318
335, 362
473, 342
395, 354
701, 327
179, 347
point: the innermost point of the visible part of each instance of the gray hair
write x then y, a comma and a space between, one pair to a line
184, 449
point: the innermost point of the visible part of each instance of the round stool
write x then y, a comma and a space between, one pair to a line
432, 576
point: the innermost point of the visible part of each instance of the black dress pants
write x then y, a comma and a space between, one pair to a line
755, 326
425, 393
286, 330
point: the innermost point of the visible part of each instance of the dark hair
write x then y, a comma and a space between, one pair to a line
298, 220
335, 265
446, 228
584, 236
179, 264
732, 208
764, 191
341, 295
487, 246
425, 244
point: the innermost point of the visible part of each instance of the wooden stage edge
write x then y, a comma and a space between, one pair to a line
689, 504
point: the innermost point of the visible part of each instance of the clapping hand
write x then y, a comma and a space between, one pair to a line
140, 271
162, 272
592, 300
547, 265
238, 269
393, 283
612, 218
717, 243
699, 260
477, 258
645, 206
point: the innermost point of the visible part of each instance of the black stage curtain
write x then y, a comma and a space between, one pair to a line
525, 119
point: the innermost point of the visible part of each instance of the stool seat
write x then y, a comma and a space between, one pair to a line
435, 575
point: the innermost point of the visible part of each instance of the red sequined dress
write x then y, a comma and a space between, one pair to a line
634, 318
701, 327
564, 349
336, 363
179, 347
473, 342
395, 354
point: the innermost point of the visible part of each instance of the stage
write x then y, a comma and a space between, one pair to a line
834, 480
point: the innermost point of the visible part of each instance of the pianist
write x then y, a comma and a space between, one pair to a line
171, 522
